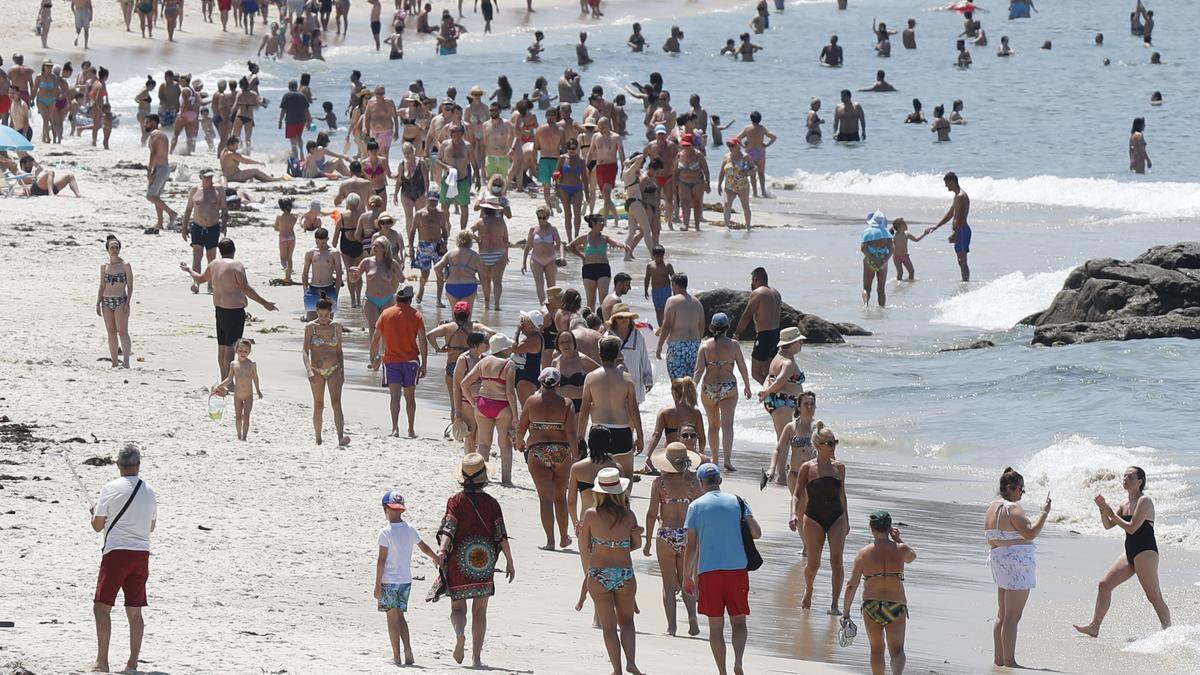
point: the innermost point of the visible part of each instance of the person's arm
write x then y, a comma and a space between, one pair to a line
304, 272
656, 435
585, 410
841, 469
187, 215
1141, 513
522, 428
510, 388
862, 120
337, 271
197, 277
945, 219
380, 561
430, 553
251, 293
573, 247
747, 315
510, 570
664, 331
799, 498
1021, 523
257, 386
852, 586
424, 344
635, 418
691, 555
573, 508
305, 356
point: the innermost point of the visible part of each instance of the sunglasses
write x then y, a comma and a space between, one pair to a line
689, 435
832, 443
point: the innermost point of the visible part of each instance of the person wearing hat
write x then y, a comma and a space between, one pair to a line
880, 567
764, 307
386, 224
471, 537
492, 232
610, 400
609, 533
546, 435
733, 181
528, 352
692, 174
545, 246
670, 494
321, 275
785, 381
496, 404
716, 565
206, 214
393, 572
635, 353
819, 512
719, 355
398, 342
876, 248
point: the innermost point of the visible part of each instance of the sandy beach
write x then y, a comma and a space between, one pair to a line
263, 558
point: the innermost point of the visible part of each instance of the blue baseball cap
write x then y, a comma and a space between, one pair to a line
708, 470
720, 319
660, 129
394, 500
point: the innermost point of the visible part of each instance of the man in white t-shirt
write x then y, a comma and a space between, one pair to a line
393, 571
125, 512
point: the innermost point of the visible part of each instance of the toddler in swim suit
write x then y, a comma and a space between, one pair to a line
657, 282
243, 375
900, 238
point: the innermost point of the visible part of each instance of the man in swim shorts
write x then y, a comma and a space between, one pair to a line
83, 20
764, 308
322, 274
398, 341
427, 236
206, 214
230, 290
606, 153
457, 162
609, 400
847, 119
382, 119
960, 208
548, 140
158, 170
498, 137
294, 113
682, 328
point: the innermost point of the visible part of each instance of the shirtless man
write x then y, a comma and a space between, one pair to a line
847, 120
622, 282
206, 215
881, 84
568, 87
682, 328
607, 154
322, 275
83, 20
499, 136
453, 336
609, 400
157, 173
427, 233
20, 77
168, 98
18, 112
587, 336
381, 120
764, 308
960, 208
831, 54
230, 290
356, 184
455, 153
756, 138
908, 37
547, 140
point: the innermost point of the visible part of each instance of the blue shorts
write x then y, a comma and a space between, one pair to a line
681, 358
426, 256
394, 596
205, 236
313, 293
447, 51
660, 297
403, 374
962, 239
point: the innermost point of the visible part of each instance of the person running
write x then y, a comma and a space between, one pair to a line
325, 363
113, 301
682, 328
715, 363
819, 512
765, 308
960, 237
609, 533
473, 531
126, 511
670, 495
609, 400
716, 569
546, 435
880, 566
496, 404
398, 341
1013, 561
1136, 517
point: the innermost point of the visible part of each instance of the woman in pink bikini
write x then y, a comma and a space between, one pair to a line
496, 403
545, 246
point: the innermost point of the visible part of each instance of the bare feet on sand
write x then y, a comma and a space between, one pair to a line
833, 609
100, 667
1089, 629
460, 643
548, 547
807, 601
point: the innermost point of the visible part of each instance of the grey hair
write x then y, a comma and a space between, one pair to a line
130, 455
353, 200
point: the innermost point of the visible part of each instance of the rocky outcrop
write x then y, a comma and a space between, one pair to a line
815, 329
1155, 295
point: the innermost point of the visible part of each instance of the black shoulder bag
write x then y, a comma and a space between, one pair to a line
753, 559
121, 513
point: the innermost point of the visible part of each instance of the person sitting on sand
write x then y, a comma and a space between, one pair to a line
393, 572
880, 566
44, 182
231, 161
243, 376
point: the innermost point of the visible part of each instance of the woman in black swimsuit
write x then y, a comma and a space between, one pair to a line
573, 366
1136, 517
819, 504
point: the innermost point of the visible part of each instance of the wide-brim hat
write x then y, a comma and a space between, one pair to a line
622, 311
473, 469
675, 458
492, 203
498, 343
789, 335
610, 482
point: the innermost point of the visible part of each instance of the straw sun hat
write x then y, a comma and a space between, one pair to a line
473, 469
675, 458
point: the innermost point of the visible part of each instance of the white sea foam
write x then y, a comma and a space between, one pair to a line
1075, 469
1002, 302
1173, 640
1148, 198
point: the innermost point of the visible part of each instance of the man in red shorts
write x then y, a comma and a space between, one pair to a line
401, 330
714, 530
125, 512
294, 116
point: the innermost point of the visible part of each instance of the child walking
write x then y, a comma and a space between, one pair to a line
393, 572
900, 238
285, 225
243, 375
657, 282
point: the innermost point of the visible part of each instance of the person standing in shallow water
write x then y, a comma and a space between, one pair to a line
1136, 517
960, 208
1013, 561
884, 606
1139, 160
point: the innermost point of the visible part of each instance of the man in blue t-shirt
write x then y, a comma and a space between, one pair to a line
715, 554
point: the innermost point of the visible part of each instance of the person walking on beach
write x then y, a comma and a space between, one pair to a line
755, 139
682, 327
1012, 560
83, 20
820, 514
764, 307
158, 170
321, 276
230, 290
719, 355
610, 400
546, 435
876, 247
473, 531
206, 214
399, 340
293, 111
393, 572
880, 566
325, 363
113, 301
716, 567
126, 512
1136, 517
960, 208
670, 495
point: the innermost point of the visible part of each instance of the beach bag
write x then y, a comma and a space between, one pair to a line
753, 559
294, 169
847, 631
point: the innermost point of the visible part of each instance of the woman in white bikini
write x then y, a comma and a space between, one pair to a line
113, 301
325, 364
715, 362
1013, 561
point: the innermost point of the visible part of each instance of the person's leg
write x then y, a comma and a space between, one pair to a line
247, 408
1120, 572
712, 412
669, 568
110, 327
562, 483
543, 482
478, 629
963, 267
727, 408
224, 356
737, 625
606, 611
698, 203
466, 412
410, 409
122, 321
880, 284
868, 276
745, 199
483, 434
589, 289
458, 621
895, 644
837, 546
504, 422
498, 281
626, 605
1146, 565
103, 614
197, 258
137, 630
689, 599
878, 645
814, 543
1014, 607
539, 280
716, 641
396, 392
728, 210
602, 285
998, 630
317, 384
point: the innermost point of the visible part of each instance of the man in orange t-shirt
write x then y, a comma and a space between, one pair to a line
402, 331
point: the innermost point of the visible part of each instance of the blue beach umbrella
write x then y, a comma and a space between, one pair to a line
12, 140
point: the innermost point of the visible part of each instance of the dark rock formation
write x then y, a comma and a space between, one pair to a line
1157, 294
817, 330
977, 344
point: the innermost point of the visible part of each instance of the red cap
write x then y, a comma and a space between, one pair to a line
686, 139
733, 141
461, 306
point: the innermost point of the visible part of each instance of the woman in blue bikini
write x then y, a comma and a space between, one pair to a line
460, 268
609, 533
568, 179
382, 277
